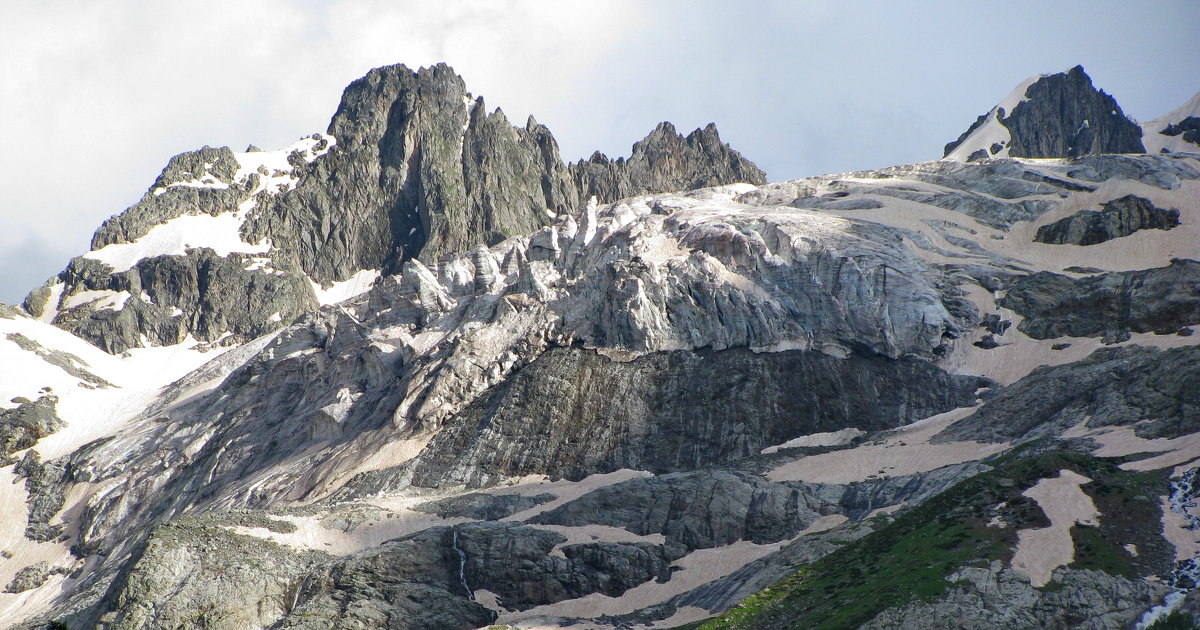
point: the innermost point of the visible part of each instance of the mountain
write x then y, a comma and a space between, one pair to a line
411, 167
427, 376
1050, 115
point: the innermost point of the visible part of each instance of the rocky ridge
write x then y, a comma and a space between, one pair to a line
411, 167
1051, 115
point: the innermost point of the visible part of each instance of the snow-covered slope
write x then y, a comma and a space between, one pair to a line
1178, 140
990, 135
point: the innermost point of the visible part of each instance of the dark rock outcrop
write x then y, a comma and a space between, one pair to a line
201, 294
573, 413
190, 575
422, 170
712, 508
1189, 128
1116, 218
413, 167
1062, 115
32, 577
664, 161
1163, 299
482, 507
25, 424
1155, 391
428, 579
45, 487
1065, 116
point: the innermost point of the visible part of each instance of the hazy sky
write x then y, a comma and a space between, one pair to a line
96, 96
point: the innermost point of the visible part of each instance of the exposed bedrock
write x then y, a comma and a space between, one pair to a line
1157, 392
1116, 218
1001, 599
573, 412
1065, 116
1162, 299
664, 161
168, 298
423, 170
1061, 115
413, 166
428, 579
1189, 128
712, 508
190, 575
22, 426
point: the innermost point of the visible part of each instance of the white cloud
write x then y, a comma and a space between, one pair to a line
96, 96
104, 93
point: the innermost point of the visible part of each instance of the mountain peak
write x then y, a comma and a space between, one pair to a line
413, 166
1050, 115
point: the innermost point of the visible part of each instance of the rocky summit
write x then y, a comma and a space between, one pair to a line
416, 372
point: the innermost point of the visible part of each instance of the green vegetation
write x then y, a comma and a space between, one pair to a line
1175, 621
912, 557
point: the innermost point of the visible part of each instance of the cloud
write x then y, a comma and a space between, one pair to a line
96, 96
104, 93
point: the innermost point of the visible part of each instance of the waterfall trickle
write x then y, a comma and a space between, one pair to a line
1186, 577
462, 566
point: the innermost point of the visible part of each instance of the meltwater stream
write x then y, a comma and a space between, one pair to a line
1184, 492
462, 566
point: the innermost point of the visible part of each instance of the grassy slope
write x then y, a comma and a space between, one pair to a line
911, 557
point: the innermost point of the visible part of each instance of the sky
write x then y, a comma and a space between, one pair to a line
95, 97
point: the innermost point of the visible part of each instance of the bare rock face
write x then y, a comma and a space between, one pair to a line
1059, 115
25, 424
664, 161
1110, 305
1155, 391
538, 423
1117, 218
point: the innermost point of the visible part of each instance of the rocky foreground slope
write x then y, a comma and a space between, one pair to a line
541, 395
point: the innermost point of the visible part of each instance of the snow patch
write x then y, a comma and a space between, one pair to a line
104, 300
1041, 551
992, 131
1155, 141
833, 438
357, 284
221, 233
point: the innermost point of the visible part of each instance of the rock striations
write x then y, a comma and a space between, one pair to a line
417, 372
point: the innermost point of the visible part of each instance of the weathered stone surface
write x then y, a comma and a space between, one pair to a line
25, 424
572, 412
423, 170
1120, 217
428, 579
712, 508
664, 161
211, 170
997, 598
192, 575
1062, 115
1155, 391
45, 487
33, 576
1189, 128
1163, 299
201, 294
413, 167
